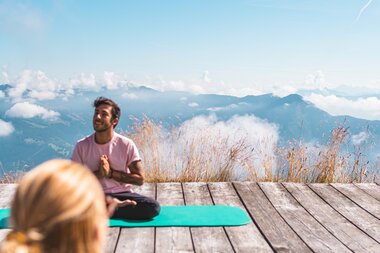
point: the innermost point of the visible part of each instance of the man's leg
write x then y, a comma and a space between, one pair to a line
146, 207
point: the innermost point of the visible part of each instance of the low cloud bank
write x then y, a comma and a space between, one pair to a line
359, 138
6, 128
364, 108
28, 110
213, 141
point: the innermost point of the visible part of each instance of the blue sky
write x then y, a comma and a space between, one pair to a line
237, 47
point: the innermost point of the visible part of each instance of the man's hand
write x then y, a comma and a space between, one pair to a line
114, 203
104, 167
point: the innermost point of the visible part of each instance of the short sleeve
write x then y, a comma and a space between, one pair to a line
133, 153
76, 157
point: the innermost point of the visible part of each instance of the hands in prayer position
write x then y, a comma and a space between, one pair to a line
104, 167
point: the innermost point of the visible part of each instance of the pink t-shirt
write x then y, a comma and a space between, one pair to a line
121, 152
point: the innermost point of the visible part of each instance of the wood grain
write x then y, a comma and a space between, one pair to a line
278, 233
354, 213
336, 224
306, 227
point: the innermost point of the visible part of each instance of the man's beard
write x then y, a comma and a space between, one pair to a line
102, 127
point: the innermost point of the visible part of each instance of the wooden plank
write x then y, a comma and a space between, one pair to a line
6, 195
138, 239
371, 189
341, 228
358, 196
362, 219
172, 239
243, 238
205, 239
311, 232
111, 239
278, 233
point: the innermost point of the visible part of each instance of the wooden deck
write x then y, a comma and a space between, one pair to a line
286, 217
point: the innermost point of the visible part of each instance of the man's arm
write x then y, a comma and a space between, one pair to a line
136, 175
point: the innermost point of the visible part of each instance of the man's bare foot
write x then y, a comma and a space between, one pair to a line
114, 203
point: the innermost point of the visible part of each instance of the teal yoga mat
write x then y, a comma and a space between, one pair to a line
177, 216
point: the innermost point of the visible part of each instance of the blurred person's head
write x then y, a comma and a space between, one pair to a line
58, 207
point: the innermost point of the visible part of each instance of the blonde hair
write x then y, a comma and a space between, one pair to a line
58, 207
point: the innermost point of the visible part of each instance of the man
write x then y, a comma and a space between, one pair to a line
115, 160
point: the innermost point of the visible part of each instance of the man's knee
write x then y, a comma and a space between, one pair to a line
151, 208
156, 208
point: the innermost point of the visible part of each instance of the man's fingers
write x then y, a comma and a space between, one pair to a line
127, 202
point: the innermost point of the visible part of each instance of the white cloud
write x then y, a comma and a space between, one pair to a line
27, 110
42, 95
112, 80
359, 138
33, 141
250, 127
316, 80
197, 89
18, 90
225, 108
174, 85
208, 141
260, 136
2, 95
242, 92
283, 91
6, 128
183, 99
35, 84
85, 81
193, 104
177, 85
364, 108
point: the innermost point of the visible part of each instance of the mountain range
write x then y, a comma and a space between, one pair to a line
36, 139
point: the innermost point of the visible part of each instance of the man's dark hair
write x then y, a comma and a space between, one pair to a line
106, 101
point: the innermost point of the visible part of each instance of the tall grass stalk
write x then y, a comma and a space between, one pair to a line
176, 156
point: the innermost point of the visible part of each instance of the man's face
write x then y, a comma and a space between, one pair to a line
102, 120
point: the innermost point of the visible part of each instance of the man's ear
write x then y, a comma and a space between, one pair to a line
115, 121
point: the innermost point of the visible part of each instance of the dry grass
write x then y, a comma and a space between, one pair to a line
174, 156
10, 177
327, 165
182, 155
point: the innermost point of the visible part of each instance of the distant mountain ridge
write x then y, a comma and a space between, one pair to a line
35, 140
